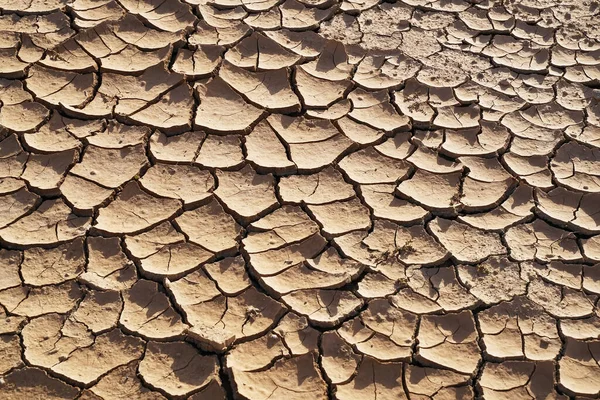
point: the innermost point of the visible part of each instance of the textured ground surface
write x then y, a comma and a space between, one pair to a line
299, 199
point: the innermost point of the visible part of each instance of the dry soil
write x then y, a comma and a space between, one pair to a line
299, 199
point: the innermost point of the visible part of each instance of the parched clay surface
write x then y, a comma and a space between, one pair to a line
299, 199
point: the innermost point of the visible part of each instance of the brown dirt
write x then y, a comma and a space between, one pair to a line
299, 199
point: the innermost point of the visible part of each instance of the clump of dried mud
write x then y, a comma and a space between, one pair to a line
299, 199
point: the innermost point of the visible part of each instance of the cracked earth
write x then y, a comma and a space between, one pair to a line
299, 199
